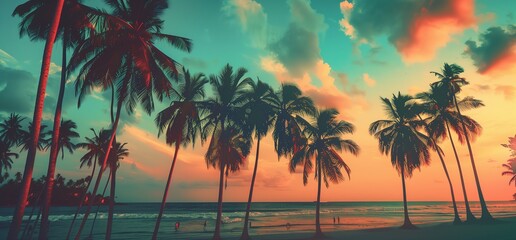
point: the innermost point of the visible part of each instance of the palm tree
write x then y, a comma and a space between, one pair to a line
259, 118
511, 170
288, 103
322, 138
123, 54
14, 228
119, 153
399, 136
181, 122
11, 130
449, 79
223, 109
443, 117
66, 134
5, 157
26, 138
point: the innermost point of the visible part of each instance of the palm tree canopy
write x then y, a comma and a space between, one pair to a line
322, 143
95, 147
450, 79
66, 134
230, 146
511, 170
26, 138
118, 153
123, 54
258, 109
6, 156
287, 104
399, 136
11, 131
181, 120
511, 145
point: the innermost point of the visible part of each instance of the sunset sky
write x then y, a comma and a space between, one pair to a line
343, 54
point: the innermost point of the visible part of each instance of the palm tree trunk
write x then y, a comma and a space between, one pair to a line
216, 234
98, 206
83, 197
245, 232
318, 231
165, 194
19, 210
54, 150
486, 216
104, 164
406, 223
111, 203
456, 219
469, 215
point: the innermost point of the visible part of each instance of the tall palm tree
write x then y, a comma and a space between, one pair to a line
222, 109
287, 104
399, 136
511, 170
322, 141
181, 123
119, 153
26, 138
258, 120
443, 119
67, 133
6, 157
11, 130
449, 79
123, 54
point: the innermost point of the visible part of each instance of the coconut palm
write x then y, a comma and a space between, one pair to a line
118, 154
449, 79
258, 120
181, 123
443, 117
11, 130
26, 138
288, 103
399, 136
222, 109
5, 157
511, 170
323, 140
123, 54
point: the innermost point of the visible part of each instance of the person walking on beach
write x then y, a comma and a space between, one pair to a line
338, 219
177, 225
205, 223
333, 220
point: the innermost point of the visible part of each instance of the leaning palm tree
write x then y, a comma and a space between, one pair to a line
322, 137
118, 153
449, 79
222, 109
11, 130
443, 117
123, 54
511, 170
287, 104
181, 123
399, 136
19, 210
258, 120
6, 157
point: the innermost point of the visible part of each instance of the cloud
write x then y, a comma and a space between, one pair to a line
54, 68
495, 52
252, 18
506, 90
369, 81
417, 29
6, 58
17, 90
197, 63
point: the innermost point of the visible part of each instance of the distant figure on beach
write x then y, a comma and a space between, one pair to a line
177, 225
338, 219
287, 226
333, 220
205, 223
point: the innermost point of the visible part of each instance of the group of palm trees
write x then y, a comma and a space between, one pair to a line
417, 124
116, 51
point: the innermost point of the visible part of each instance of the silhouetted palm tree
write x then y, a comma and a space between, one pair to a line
443, 118
399, 136
119, 153
511, 170
26, 138
222, 109
6, 157
123, 54
11, 130
322, 141
449, 79
289, 103
258, 120
181, 123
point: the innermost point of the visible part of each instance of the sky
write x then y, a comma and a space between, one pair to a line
342, 54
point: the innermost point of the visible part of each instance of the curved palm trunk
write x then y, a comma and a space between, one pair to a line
54, 151
469, 215
19, 210
98, 207
486, 216
456, 219
318, 231
82, 200
216, 234
104, 164
406, 223
245, 232
165, 194
111, 210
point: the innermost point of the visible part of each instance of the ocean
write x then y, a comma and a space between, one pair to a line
136, 220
